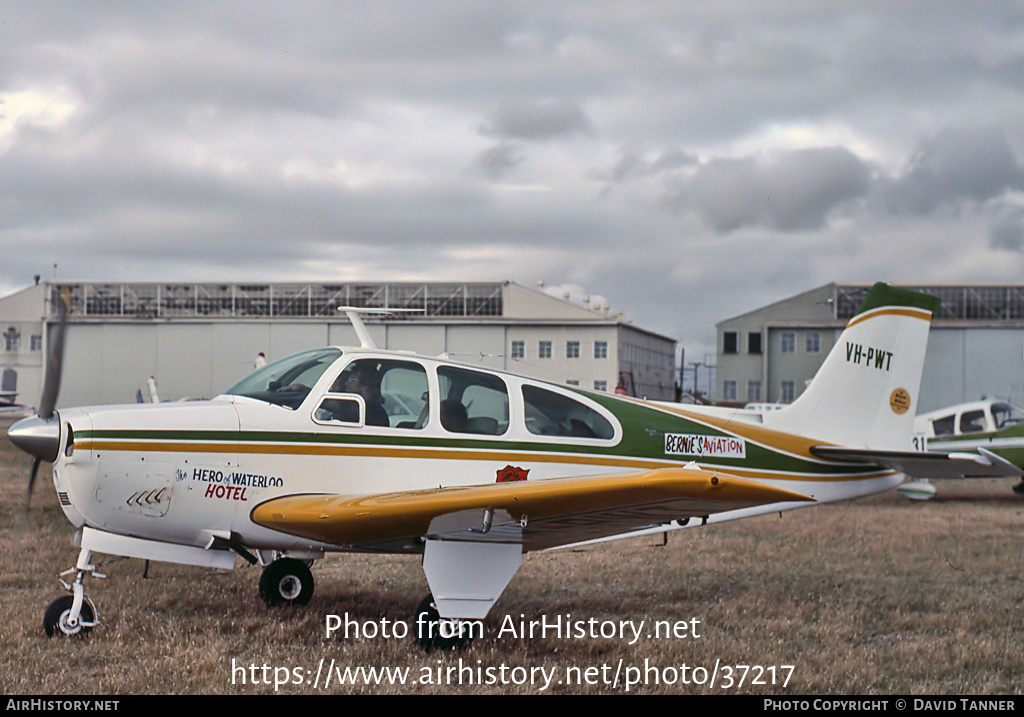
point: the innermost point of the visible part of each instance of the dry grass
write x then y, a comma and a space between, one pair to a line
879, 596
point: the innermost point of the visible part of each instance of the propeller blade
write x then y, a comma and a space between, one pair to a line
51, 384
40, 434
31, 483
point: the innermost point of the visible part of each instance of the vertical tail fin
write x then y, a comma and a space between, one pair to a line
865, 393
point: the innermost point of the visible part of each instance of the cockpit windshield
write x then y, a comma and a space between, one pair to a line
1005, 414
287, 381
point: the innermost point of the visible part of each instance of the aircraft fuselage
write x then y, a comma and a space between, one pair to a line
187, 472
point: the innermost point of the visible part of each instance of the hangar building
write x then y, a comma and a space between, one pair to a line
975, 346
197, 339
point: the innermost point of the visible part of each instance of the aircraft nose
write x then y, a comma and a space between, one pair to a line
37, 436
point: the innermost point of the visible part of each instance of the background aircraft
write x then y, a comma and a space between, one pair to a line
301, 458
987, 425
9, 409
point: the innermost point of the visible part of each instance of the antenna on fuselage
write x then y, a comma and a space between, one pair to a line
353, 313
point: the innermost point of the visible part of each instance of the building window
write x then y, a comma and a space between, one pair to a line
572, 349
754, 342
9, 381
518, 349
572, 382
788, 342
12, 339
36, 342
600, 385
728, 390
544, 351
600, 349
787, 392
729, 342
753, 391
813, 342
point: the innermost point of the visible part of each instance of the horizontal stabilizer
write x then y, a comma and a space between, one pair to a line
916, 464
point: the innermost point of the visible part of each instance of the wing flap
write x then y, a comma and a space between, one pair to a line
542, 513
927, 464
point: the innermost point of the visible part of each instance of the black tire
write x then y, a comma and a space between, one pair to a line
431, 633
286, 582
56, 613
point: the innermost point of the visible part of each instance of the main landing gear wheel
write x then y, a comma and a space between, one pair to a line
432, 632
56, 619
286, 582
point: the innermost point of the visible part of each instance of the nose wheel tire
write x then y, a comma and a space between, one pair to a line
286, 582
57, 618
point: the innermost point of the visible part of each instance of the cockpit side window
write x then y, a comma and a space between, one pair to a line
972, 422
340, 408
394, 394
553, 414
472, 402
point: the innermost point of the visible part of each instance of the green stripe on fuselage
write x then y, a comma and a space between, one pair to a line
644, 441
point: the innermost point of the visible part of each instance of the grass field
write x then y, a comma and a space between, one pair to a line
877, 596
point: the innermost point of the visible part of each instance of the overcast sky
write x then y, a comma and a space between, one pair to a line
684, 161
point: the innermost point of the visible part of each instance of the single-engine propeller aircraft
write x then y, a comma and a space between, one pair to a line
360, 449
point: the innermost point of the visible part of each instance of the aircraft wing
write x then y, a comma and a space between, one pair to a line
537, 513
927, 464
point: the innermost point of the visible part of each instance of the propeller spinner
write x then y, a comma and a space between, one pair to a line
39, 435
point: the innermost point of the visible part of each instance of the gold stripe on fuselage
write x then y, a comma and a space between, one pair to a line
379, 451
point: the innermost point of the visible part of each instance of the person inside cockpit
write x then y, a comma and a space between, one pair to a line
365, 380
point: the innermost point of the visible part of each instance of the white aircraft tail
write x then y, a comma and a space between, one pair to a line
865, 393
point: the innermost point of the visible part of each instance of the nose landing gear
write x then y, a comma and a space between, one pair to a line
58, 620
73, 614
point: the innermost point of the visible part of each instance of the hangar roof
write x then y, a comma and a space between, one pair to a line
988, 303
489, 301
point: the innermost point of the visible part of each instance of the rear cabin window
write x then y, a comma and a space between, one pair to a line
944, 426
553, 414
472, 402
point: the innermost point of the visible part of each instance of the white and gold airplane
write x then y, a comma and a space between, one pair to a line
360, 449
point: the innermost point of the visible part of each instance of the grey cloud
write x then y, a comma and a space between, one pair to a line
672, 159
498, 161
536, 120
797, 190
793, 191
633, 164
1007, 231
958, 164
